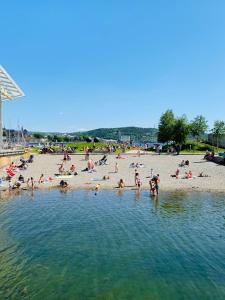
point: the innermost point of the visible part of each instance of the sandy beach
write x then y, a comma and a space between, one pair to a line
164, 165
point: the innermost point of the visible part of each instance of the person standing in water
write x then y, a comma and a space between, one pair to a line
136, 177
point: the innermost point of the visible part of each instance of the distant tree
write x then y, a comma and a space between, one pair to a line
88, 140
96, 140
60, 138
181, 130
38, 136
218, 130
198, 127
66, 139
50, 138
166, 127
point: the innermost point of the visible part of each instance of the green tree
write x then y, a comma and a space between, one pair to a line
38, 135
218, 130
198, 127
166, 127
181, 130
50, 138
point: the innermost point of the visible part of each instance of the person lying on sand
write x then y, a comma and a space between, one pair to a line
119, 156
176, 175
203, 175
137, 165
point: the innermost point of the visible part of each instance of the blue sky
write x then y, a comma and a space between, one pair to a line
89, 64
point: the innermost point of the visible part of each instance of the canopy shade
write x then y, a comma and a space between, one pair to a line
9, 90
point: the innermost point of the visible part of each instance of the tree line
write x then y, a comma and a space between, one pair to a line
178, 129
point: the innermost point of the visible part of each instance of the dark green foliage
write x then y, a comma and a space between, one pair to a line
198, 127
166, 127
181, 130
38, 135
218, 130
197, 146
136, 133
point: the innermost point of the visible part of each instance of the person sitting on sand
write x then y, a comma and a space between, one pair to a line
21, 178
16, 185
73, 170
188, 175
23, 165
187, 163
90, 165
61, 169
63, 184
182, 164
12, 166
66, 156
121, 184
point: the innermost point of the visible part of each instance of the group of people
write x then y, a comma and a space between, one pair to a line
72, 170
153, 182
184, 163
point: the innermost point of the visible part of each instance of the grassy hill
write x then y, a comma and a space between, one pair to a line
136, 133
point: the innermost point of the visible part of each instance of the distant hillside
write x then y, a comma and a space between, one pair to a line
136, 133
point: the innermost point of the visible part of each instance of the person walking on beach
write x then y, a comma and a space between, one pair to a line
116, 168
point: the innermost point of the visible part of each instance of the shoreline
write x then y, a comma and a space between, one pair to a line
165, 165
6, 194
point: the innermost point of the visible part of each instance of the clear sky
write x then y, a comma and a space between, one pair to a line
90, 63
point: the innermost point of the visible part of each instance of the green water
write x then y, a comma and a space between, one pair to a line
79, 245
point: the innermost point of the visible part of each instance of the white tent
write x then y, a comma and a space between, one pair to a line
9, 90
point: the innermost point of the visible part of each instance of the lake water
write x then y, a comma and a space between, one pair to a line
78, 245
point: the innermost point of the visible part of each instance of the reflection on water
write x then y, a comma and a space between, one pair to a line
113, 245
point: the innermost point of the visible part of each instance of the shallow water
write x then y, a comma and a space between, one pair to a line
79, 245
